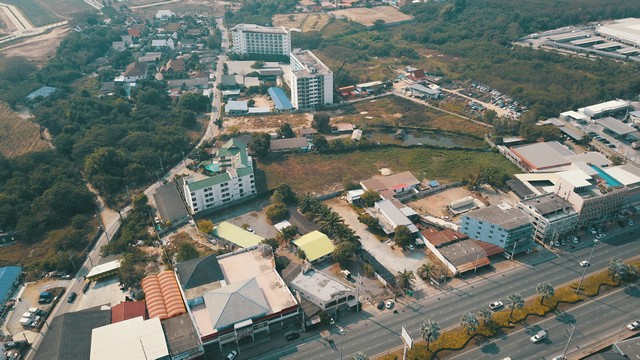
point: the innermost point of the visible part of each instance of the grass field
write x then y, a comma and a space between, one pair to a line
321, 173
393, 110
18, 135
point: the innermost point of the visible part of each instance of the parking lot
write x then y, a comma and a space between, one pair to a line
104, 292
29, 299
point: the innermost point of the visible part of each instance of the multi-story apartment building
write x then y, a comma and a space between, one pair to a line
311, 81
255, 39
551, 216
228, 177
503, 225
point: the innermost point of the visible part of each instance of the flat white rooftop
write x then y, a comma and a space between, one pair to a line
131, 339
625, 30
597, 109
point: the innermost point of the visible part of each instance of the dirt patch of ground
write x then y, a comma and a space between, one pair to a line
436, 204
304, 22
6, 26
37, 48
367, 16
262, 101
180, 7
18, 135
266, 123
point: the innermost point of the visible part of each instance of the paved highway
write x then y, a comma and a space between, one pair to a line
594, 321
375, 335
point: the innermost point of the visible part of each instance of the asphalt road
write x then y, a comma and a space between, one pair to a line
594, 320
376, 335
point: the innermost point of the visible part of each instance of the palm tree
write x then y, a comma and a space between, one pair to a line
515, 301
426, 270
470, 321
331, 222
430, 331
485, 315
406, 279
308, 204
545, 290
359, 356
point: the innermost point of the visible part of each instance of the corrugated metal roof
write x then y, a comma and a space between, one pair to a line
315, 245
236, 235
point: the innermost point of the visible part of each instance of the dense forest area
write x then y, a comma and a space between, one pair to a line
258, 12
123, 140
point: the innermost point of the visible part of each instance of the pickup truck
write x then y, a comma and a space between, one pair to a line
541, 335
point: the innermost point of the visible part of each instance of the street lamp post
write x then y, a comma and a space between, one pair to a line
476, 266
584, 272
573, 328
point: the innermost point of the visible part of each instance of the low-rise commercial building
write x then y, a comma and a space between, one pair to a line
324, 291
316, 246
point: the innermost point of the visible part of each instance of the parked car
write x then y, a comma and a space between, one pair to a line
584, 263
592, 231
496, 305
560, 357
381, 305
232, 355
389, 304
411, 247
634, 325
600, 236
630, 222
556, 244
293, 336
72, 297
541, 335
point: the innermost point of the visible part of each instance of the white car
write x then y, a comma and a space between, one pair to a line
496, 305
560, 357
584, 263
556, 244
411, 247
539, 336
389, 304
634, 325
232, 355
630, 222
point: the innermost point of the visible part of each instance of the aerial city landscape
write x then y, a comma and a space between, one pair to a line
309, 179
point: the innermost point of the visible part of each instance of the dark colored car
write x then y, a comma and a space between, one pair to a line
293, 336
72, 297
381, 305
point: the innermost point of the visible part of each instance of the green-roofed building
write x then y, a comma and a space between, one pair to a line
236, 235
229, 178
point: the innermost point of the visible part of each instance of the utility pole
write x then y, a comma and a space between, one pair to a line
513, 251
476, 266
573, 328
584, 272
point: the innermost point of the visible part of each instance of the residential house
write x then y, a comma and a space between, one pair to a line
308, 133
165, 14
325, 292
236, 236
291, 144
163, 43
135, 71
235, 107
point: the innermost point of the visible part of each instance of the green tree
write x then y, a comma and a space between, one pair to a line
403, 236
320, 122
131, 271
186, 251
308, 204
261, 144
470, 321
330, 223
285, 131
429, 331
617, 268
344, 251
140, 201
369, 220
515, 301
368, 270
369, 197
426, 270
284, 193
320, 143
277, 212
406, 279
272, 242
545, 290
206, 226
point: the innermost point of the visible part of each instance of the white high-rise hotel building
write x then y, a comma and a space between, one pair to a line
255, 39
311, 81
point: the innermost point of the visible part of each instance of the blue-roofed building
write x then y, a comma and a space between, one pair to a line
279, 98
42, 92
9, 280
